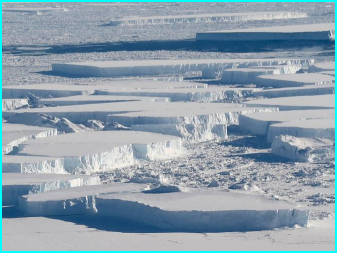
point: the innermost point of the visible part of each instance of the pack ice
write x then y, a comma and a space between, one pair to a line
196, 18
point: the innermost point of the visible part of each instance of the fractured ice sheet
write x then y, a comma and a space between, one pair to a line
14, 134
17, 184
99, 151
296, 103
203, 211
32, 164
308, 90
325, 31
209, 67
73, 89
282, 81
97, 99
259, 123
207, 18
311, 128
71, 201
12, 104
304, 149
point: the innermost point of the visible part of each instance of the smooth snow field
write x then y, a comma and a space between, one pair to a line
168, 126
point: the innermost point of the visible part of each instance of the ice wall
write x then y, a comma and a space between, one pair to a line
206, 18
304, 149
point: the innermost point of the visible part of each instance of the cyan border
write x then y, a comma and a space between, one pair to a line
11, 1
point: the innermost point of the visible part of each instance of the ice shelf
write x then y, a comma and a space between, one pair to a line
322, 66
203, 211
304, 149
308, 90
15, 185
283, 81
71, 201
296, 103
104, 150
97, 99
14, 134
210, 17
324, 31
12, 104
32, 164
259, 123
210, 68
56, 90
249, 75
311, 128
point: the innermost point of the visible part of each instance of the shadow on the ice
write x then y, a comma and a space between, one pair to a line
107, 223
173, 45
9, 212
265, 157
255, 142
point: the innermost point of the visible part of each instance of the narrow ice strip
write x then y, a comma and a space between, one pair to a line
56, 90
325, 32
308, 90
13, 104
304, 149
203, 211
209, 67
311, 128
259, 123
97, 99
328, 72
296, 103
283, 81
15, 134
72, 201
249, 75
322, 66
37, 10
209, 94
102, 151
32, 164
207, 18
15, 185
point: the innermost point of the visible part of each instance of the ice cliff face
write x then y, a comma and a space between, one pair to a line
12, 104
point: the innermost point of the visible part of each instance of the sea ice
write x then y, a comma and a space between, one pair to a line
322, 66
15, 185
324, 31
304, 149
203, 211
104, 150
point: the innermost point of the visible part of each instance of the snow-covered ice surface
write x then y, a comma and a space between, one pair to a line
70, 201
195, 18
104, 150
325, 31
15, 185
12, 104
304, 149
203, 211
15, 134
217, 154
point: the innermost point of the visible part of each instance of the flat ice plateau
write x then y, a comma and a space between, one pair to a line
168, 126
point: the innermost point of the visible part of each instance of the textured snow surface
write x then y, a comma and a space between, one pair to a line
324, 31
100, 151
304, 149
282, 81
209, 67
12, 104
70, 201
199, 18
14, 134
211, 211
297, 103
32, 164
15, 185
